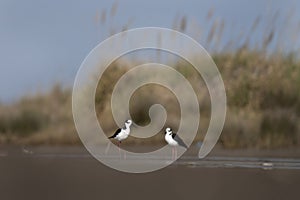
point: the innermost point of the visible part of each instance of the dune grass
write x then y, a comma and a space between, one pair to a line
263, 105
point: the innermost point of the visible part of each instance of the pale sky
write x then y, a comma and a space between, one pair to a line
43, 42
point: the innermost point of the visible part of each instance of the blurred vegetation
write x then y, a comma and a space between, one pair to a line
261, 81
263, 100
39, 119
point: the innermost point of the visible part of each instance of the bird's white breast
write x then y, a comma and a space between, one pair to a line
170, 140
123, 134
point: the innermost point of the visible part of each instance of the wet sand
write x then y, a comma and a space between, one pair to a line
23, 176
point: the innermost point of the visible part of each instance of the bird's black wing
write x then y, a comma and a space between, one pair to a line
116, 133
179, 140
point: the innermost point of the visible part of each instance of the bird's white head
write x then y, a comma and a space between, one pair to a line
128, 123
168, 130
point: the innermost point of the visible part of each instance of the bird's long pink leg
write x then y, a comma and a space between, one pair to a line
172, 153
175, 153
119, 143
107, 147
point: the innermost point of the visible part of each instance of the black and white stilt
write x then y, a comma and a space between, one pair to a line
121, 134
174, 140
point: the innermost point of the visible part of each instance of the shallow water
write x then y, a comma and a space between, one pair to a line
72, 173
189, 161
